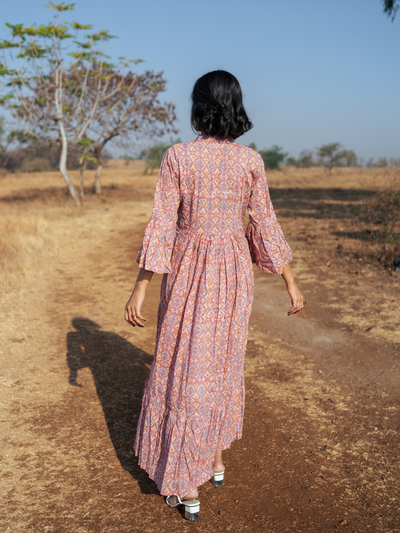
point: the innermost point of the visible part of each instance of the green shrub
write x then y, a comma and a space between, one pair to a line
273, 157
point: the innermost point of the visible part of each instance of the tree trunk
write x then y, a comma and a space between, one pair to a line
82, 170
99, 170
97, 184
63, 164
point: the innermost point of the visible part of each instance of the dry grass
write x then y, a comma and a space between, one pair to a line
383, 211
25, 241
37, 216
341, 178
12, 185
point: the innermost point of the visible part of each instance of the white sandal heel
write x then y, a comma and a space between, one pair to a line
192, 508
218, 479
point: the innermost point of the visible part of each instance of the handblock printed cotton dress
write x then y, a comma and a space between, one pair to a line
194, 396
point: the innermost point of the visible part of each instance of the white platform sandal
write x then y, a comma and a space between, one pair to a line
192, 507
218, 479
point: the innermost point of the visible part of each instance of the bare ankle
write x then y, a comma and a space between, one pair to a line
192, 494
218, 467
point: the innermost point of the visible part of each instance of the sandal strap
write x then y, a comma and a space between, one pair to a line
176, 505
190, 503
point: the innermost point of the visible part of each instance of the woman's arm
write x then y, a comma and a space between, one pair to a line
294, 292
268, 247
133, 307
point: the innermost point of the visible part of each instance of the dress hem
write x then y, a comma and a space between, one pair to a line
201, 482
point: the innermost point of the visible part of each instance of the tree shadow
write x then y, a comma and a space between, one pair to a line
61, 194
119, 371
317, 202
31, 194
365, 235
362, 235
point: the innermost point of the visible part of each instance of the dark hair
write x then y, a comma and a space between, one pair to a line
217, 106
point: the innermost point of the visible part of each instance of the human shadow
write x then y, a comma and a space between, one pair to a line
119, 371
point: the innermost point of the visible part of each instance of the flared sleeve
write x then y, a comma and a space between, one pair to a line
159, 236
268, 247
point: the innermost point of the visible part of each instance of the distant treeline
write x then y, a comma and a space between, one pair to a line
19, 152
327, 155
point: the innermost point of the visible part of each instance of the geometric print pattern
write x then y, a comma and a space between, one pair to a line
193, 398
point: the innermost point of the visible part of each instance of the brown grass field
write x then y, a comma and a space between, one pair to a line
320, 450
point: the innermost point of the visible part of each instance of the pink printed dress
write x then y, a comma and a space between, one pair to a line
194, 396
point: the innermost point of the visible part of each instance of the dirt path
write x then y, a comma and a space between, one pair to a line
320, 446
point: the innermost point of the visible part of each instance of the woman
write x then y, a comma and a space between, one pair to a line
194, 396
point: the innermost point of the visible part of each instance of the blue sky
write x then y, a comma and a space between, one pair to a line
312, 71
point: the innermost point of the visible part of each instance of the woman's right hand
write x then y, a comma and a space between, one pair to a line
133, 307
295, 294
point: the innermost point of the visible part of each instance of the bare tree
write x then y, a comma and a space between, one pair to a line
40, 88
130, 107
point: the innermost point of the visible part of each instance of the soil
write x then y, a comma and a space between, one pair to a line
320, 450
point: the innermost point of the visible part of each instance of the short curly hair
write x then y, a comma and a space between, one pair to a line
217, 106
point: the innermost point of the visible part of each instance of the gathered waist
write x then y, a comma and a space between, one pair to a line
213, 233
214, 245
199, 233
215, 241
